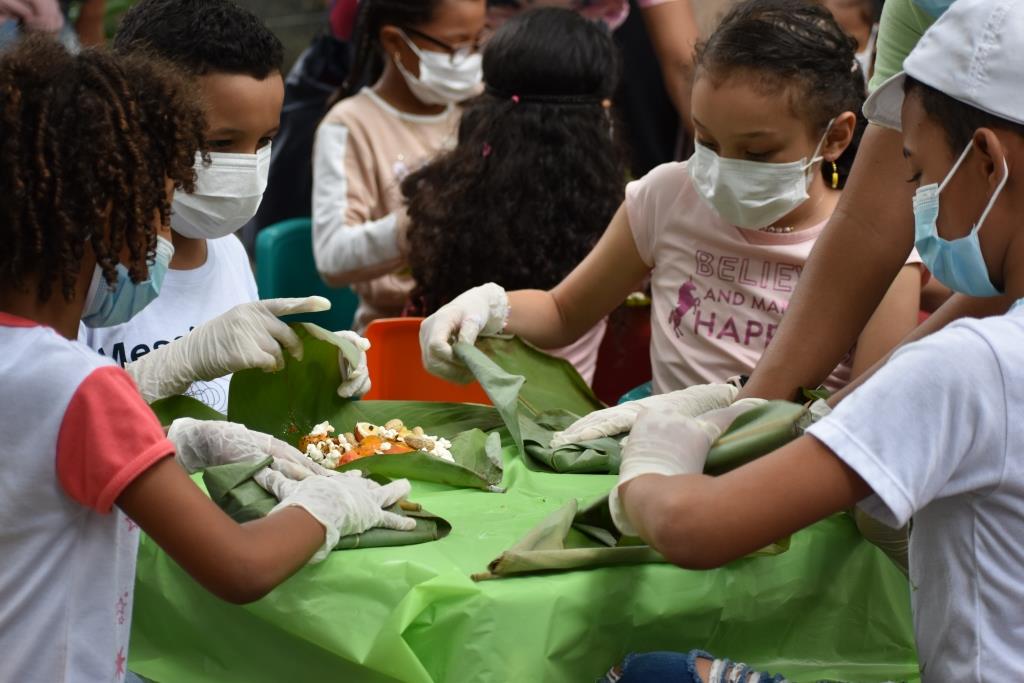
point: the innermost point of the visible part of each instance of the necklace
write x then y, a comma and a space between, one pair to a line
781, 229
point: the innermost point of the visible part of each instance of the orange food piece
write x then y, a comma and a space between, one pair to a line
348, 457
369, 445
398, 447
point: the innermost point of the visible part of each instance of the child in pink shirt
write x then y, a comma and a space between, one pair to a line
723, 236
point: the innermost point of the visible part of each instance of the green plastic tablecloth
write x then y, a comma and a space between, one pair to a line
831, 607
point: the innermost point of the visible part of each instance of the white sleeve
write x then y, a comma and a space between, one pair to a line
346, 247
930, 424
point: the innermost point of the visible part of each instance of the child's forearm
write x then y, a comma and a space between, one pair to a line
237, 563
534, 315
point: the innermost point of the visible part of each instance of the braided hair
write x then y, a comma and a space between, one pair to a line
88, 143
536, 175
368, 62
793, 48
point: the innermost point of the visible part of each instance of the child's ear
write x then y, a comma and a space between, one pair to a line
839, 136
391, 41
992, 153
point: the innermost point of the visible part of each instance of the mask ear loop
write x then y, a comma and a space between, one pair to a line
958, 164
815, 158
995, 196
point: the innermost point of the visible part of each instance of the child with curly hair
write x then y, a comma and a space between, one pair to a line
724, 235
539, 146
93, 147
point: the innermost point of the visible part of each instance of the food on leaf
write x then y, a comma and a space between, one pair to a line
393, 438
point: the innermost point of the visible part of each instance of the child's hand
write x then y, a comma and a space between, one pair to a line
666, 442
200, 444
481, 310
343, 505
691, 402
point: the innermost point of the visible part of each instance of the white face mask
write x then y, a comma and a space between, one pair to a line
751, 194
228, 193
440, 81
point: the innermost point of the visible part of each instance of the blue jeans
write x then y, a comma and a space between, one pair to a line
678, 667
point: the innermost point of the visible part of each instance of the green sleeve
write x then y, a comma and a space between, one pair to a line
902, 25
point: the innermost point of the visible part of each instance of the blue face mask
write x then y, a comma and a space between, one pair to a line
958, 264
934, 7
106, 306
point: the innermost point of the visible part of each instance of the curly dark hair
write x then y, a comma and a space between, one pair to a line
202, 36
536, 175
793, 47
88, 144
367, 61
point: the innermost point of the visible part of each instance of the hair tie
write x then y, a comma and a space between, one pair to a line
486, 152
515, 99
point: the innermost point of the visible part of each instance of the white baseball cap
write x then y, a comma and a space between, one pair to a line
974, 53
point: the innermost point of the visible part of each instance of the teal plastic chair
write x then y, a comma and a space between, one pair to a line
635, 394
285, 268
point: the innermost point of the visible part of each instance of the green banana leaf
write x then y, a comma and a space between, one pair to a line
289, 403
757, 432
546, 396
600, 456
170, 409
571, 539
550, 383
234, 490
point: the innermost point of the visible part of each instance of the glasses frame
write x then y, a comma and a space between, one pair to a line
456, 53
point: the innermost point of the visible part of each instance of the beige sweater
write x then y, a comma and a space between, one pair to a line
364, 148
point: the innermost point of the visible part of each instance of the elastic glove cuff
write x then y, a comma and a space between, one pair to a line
331, 533
619, 517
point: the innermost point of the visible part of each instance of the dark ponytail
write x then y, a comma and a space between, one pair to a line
367, 60
798, 46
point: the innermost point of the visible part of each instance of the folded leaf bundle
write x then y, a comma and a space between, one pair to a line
234, 490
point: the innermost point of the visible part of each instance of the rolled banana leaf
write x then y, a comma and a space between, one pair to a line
572, 539
234, 490
757, 432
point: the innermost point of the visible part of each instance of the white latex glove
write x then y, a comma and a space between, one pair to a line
665, 441
355, 380
248, 336
199, 444
343, 505
482, 310
691, 402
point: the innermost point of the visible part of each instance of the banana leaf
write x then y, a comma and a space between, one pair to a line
234, 490
170, 409
289, 403
600, 456
571, 539
550, 383
755, 433
547, 391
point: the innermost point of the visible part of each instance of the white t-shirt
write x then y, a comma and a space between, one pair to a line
187, 298
74, 432
938, 434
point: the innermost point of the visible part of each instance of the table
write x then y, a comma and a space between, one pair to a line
831, 607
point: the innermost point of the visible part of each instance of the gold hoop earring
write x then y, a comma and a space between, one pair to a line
835, 176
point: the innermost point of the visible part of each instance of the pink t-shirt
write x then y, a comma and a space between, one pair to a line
718, 292
74, 432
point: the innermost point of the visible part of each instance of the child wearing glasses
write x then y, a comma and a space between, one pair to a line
422, 59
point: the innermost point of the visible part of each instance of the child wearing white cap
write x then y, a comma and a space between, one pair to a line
935, 434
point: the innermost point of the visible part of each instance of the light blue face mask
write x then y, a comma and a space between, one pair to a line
958, 264
106, 306
934, 7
